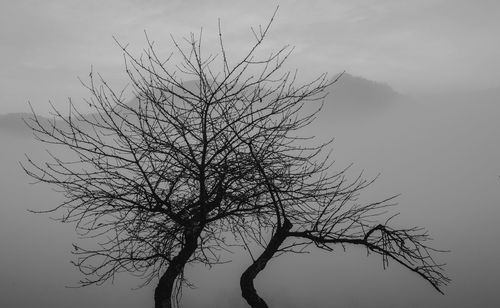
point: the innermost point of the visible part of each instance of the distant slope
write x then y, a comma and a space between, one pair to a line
357, 95
350, 96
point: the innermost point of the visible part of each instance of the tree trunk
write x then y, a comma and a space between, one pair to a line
164, 289
247, 278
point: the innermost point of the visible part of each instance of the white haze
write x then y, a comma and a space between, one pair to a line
440, 152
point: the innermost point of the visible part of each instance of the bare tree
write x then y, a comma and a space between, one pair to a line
207, 147
311, 203
158, 181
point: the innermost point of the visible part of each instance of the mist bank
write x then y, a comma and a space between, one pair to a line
441, 153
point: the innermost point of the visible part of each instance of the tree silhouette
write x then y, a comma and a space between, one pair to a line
208, 147
311, 203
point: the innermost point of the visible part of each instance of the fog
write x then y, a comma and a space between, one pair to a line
440, 152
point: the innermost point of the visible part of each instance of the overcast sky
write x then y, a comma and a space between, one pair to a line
423, 45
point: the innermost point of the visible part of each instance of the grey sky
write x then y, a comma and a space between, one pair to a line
424, 45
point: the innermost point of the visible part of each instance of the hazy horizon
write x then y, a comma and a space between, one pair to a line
416, 47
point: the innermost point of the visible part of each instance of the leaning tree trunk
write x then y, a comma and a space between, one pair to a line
247, 278
164, 289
